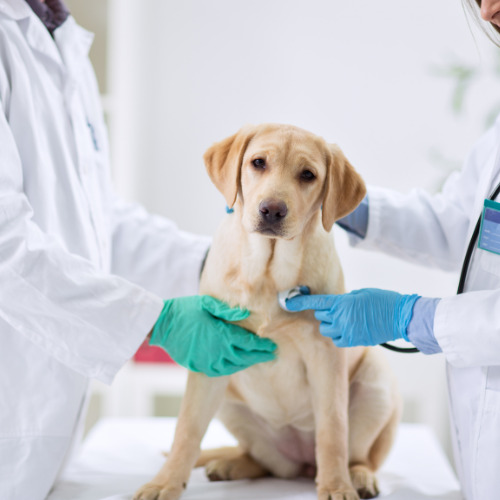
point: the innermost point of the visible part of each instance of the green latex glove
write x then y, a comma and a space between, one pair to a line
191, 331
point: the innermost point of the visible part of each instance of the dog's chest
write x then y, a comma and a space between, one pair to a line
278, 391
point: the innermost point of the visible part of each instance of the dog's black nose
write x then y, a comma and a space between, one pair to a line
273, 211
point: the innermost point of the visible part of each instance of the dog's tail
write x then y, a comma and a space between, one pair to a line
227, 452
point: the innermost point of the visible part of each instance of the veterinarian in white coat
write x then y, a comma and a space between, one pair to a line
436, 230
82, 275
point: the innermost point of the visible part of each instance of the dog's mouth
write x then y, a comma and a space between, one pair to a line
271, 231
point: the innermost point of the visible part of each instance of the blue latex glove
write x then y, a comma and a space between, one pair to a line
194, 332
363, 317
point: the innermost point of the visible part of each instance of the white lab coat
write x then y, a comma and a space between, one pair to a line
435, 230
82, 275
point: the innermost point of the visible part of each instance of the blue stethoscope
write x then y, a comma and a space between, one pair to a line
463, 273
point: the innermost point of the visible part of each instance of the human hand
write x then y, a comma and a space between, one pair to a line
194, 332
369, 316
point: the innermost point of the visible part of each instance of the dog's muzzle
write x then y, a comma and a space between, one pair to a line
271, 216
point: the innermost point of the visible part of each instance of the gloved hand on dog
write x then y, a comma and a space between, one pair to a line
194, 332
363, 317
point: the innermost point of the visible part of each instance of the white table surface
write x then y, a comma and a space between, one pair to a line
121, 454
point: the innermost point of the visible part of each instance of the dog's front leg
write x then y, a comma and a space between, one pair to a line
327, 371
201, 401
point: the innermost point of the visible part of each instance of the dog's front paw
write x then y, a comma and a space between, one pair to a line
346, 493
155, 491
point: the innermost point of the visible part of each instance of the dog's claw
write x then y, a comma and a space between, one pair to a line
364, 481
213, 476
365, 493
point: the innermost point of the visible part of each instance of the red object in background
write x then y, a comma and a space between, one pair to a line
151, 354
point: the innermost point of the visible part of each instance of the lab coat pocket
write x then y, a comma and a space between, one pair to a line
486, 480
490, 262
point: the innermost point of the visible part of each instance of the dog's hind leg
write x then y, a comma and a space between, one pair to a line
216, 453
232, 463
259, 454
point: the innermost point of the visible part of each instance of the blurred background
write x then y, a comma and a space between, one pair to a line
405, 88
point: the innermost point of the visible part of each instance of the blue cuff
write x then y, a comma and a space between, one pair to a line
356, 222
421, 327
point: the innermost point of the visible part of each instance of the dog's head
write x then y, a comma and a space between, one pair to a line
283, 175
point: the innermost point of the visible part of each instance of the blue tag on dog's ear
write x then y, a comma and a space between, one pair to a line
489, 237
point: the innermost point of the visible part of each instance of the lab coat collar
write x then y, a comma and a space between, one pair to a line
72, 42
37, 35
15, 9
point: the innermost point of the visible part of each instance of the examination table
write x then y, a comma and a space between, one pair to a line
120, 454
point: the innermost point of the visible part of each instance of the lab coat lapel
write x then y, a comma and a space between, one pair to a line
74, 44
36, 35
494, 177
486, 184
39, 38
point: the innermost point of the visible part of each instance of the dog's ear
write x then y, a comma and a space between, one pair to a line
344, 187
223, 162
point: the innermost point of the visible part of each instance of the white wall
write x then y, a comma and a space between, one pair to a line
187, 73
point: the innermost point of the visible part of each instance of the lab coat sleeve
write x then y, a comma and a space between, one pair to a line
151, 251
467, 328
88, 320
429, 229
416, 227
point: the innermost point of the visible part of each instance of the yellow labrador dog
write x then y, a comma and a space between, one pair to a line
316, 410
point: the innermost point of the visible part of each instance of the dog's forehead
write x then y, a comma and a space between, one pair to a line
287, 143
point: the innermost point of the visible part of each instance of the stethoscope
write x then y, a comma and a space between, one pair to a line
463, 273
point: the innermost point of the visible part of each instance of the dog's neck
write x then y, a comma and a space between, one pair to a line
272, 261
249, 269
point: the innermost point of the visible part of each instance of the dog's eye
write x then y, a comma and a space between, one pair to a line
259, 163
307, 176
